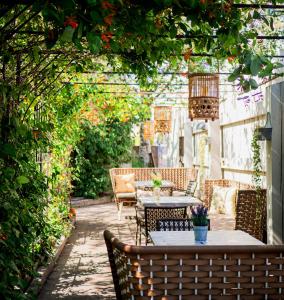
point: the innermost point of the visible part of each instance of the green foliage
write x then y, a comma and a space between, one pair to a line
100, 148
257, 169
27, 234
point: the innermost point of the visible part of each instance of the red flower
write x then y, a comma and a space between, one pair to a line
106, 5
184, 74
231, 58
105, 38
71, 21
107, 46
187, 54
108, 19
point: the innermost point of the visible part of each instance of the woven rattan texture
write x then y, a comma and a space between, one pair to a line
208, 187
179, 176
174, 225
152, 214
196, 272
251, 212
251, 207
203, 100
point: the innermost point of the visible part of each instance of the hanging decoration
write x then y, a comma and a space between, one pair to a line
163, 118
203, 102
148, 130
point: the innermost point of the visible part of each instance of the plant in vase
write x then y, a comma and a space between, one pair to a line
157, 183
199, 217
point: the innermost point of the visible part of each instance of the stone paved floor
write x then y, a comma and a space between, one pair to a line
82, 271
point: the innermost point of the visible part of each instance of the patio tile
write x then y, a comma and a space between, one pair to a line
83, 271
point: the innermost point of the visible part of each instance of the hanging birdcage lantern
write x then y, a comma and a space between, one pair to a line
203, 102
148, 130
163, 118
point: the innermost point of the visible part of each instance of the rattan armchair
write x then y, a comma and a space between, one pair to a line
148, 221
174, 225
196, 272
251, 206
184, 224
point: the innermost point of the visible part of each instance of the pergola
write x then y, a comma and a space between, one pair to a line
46, 44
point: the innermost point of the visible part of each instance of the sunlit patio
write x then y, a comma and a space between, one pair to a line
83, 271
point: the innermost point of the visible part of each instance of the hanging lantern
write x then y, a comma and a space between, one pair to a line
203, 102
148, 130
162, 116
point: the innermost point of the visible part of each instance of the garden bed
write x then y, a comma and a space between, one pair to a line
44, 271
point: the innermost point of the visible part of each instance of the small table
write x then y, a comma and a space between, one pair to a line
148, 185
216, 238
169, 201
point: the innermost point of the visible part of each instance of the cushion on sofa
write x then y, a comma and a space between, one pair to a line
125, 195
224, 200
125, 183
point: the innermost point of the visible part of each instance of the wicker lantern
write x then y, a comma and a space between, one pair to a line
148, 130
203, 100
163, 118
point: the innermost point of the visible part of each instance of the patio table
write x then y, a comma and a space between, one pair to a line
169, 201
216, 238
148, 185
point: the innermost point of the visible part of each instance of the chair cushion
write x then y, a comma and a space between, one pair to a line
125, 183
178, 193
125, 195
224, 200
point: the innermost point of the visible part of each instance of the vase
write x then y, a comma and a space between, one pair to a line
157, 191
200, 233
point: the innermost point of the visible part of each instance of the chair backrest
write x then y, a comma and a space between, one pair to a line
152, 214
191, 187
251, 206
174, 225
196, 272
251, 213
179, 176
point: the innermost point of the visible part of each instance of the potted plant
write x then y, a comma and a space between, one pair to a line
157, 183
199, 217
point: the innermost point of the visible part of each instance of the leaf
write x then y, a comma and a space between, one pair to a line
94, 42
271, 24
9, 149
36, 54
256, 15
255, 65
67, 34
22, 179
234, 75
253, 83
183, 27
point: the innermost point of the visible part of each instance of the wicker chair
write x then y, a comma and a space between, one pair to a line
176, 224
148, 221
251, 208
196, 272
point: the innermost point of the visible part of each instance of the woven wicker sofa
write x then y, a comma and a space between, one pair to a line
249, 205
179, 176
196, 272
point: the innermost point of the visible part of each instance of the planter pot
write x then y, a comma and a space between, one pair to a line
264, 134
200, 233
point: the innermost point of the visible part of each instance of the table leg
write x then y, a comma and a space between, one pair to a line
120, 205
